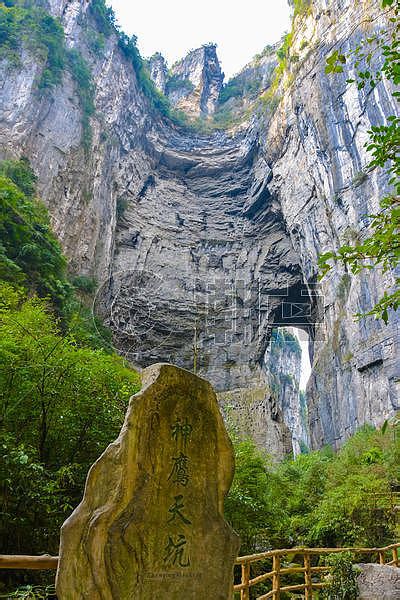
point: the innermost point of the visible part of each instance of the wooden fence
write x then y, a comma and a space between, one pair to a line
310, 572
275, 576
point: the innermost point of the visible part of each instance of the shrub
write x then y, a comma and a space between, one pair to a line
122, 205
301, 7
175, 83
96, 41
43, 34
342, 580
32, 592
103, 15
232, 89
85, 284
82, 76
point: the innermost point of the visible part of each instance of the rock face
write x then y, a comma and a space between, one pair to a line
203, 244
283, 367
274, 414
151, 522
241, 92
254, 413
378, 582
195, 82
319, 132
158, 71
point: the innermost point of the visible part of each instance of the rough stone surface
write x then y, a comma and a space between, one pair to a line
201, 212
378, 582
197, 82
283, 371
151, 522
158, 71
319, 131
254, 413
271, 414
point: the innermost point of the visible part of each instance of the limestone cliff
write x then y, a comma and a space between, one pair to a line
158, 71
283, 367
193, 84
273, 414
203, 243
316, 145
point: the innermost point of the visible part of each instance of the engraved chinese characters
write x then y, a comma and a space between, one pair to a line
151, 525
176, 549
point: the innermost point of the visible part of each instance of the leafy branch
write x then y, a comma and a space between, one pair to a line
381, 249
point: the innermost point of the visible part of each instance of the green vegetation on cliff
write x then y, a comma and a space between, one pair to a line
301, 7
63, 391
26, 26
175, 83
105, 21
29, 252
103, 15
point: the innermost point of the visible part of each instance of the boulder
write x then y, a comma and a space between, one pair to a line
151, 522
379, 582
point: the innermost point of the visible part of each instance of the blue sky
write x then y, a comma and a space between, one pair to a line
173, 27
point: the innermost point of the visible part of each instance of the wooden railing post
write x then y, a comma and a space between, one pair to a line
395, 557
307, 576
245, 593
276, 578
381, 558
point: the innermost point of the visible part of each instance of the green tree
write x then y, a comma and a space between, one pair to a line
246, 506
62, 396
60, 405
317, 499
29, 252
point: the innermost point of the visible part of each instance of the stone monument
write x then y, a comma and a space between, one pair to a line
150, 525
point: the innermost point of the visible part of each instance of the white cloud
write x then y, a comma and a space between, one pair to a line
173, 27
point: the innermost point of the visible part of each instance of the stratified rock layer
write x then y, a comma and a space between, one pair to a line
151, 522
316, 146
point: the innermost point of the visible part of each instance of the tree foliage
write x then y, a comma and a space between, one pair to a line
342, 583
319, 499
62, 395
29, 252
